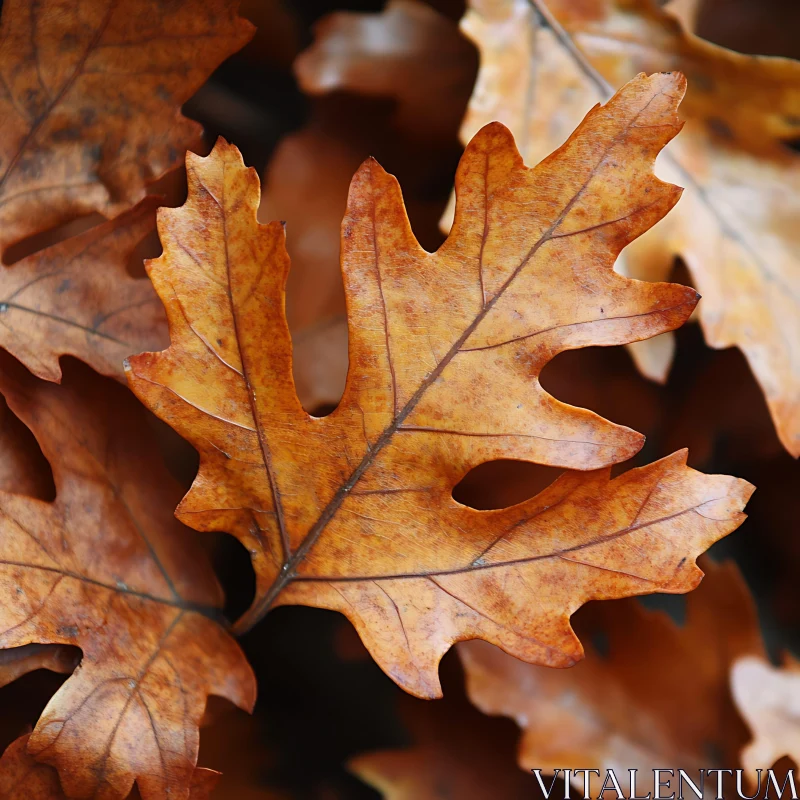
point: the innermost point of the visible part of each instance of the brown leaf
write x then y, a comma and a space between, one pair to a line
106, 568
769, 700
18, 661
409, 52
24, 778
76, 298
546, 61
306, 185
354, 511
457, 753
23, 470
659, 698
91, 93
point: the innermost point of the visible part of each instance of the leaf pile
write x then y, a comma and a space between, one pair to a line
106, 568
455, 488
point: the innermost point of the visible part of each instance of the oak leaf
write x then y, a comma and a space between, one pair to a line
768, 698
76, 298
656, 695
106, 568
354, 511
23, 778
546, 61
90, 97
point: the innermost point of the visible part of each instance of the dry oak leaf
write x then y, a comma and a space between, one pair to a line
769, 699
627, 708
545, 61
24, 778
354, 511
106, 568
90, 97
76, 298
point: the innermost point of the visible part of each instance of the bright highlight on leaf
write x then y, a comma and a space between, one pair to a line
354, 511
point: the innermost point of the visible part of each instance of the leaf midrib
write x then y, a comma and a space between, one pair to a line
207, 611
287, 572
606, 91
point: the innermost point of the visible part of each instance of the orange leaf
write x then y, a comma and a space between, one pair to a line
76, 298
106, 568
354, 511
90, 107
658, 698
546, 61
23, 778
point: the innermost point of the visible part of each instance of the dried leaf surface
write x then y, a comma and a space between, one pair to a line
769, 699
106, 568
90, 101
23, 778
76, 298
735, 226
354, 511
659, 696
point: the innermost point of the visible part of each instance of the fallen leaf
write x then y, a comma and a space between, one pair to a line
106, 568
306, 185
91, 97
769, 699
658, 698
456, 753
23, 470
23, 778
76, 298
18, 661
686, 12
409, 52
353, 512
545, 63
